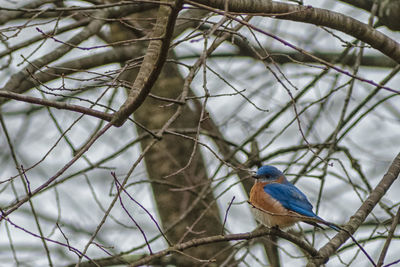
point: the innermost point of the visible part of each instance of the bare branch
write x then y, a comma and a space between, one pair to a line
153, 61
58, 105
316, 16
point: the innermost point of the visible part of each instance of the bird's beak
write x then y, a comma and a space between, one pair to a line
255, 176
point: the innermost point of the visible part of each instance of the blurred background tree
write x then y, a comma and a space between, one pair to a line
129, 130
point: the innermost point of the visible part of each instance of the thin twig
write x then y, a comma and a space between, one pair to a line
385, 248
117, 184
226, 215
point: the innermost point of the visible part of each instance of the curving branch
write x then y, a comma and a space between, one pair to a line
132, 259
214, 239
316, 16
153, 60
388, 11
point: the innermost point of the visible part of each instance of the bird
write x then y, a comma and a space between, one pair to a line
278, 203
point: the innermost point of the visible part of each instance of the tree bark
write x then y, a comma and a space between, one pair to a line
175, 194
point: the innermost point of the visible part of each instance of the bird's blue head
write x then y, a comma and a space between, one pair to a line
268, 173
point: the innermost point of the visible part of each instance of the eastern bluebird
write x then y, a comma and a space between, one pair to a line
277, 202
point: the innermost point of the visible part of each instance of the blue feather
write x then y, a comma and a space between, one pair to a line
291, 198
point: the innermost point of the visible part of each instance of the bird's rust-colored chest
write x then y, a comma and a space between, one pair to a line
268, 210
262, 200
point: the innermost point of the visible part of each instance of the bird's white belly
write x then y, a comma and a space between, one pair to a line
270, 220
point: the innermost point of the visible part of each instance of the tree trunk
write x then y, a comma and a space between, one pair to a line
175, 194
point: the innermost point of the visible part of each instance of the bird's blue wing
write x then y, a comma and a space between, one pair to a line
291, 198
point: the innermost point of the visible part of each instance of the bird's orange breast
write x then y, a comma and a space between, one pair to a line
268, 210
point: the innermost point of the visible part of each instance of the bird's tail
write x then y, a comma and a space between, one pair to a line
329, 224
